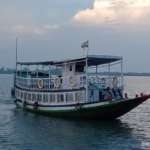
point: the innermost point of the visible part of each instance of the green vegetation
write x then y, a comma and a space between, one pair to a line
6, 70
11, 71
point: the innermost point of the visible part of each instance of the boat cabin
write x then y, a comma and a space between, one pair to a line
81, 80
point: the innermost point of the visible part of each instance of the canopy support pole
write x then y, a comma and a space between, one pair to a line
96, 71
49, 76
16, 53
109, 76
37, 68
87, 78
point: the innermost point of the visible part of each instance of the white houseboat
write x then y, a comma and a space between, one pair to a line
74, 88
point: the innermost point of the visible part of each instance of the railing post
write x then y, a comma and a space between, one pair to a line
109, 76
49, 77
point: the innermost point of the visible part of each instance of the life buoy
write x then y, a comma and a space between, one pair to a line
57, 82
72, 81
40, 84
115, 82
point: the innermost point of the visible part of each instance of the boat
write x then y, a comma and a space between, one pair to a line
74, 88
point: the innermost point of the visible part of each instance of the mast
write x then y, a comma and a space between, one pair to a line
16, 61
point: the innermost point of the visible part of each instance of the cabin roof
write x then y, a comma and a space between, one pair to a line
93, 60
36, 63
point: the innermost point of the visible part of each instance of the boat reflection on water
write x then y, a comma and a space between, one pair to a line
59, 133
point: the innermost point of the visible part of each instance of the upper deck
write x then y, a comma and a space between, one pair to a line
69, 74
81, 76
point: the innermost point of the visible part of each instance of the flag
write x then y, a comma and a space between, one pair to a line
85, 44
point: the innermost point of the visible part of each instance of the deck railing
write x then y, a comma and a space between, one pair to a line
68, 82
105, 81
53, 83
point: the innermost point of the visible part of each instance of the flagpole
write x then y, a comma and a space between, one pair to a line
83, 52
87, 52
85, 46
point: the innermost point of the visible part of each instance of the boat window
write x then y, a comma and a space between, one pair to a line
25, 96
39, 97
69, 97
70, 68
45, 98
52, 98
80, 96
60, 98
33, 97
83, 97
79, 68
16, 93
52, 82
29, 96
21, 95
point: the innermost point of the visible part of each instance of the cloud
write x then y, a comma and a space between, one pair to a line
115, 12
43, 29
17, 20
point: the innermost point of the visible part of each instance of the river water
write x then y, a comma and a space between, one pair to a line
21, 130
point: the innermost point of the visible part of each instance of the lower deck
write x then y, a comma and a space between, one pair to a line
97, 110
68, 97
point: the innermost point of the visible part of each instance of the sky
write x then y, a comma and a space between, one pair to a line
49, 30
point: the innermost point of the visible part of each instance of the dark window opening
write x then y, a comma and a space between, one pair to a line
60, 98
70, 68
79, 68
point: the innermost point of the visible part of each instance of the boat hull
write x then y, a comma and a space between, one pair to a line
101, 110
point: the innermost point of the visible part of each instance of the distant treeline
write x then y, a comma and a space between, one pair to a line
12, 71
136, 74
6, 70
126, 73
